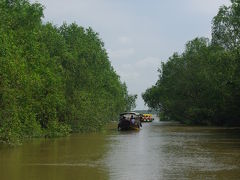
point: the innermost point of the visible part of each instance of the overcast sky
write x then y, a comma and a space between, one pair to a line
138, 34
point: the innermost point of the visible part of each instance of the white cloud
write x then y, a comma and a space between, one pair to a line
148, 62
131, 75
121, 53
124, 40
206, 7
139, 75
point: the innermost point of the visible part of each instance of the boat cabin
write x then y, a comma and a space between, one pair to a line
129, 121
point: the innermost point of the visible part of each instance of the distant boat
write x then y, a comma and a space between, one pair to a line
147, 118
129, 121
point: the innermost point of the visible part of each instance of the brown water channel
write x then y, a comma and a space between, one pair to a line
158, 151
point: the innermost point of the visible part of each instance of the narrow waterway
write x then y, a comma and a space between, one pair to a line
158, 151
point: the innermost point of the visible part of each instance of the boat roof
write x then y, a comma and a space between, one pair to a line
147, 114
134, 113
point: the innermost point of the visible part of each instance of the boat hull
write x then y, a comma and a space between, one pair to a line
126, 125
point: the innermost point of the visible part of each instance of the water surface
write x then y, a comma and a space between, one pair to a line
158, 151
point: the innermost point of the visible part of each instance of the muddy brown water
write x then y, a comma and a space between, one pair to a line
159, 150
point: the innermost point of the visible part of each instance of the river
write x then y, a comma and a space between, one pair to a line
158, 151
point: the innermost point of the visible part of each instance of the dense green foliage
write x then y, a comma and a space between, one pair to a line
131, 101
226, 26
202, 85
53, 80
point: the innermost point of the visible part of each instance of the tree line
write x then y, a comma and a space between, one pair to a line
53, 80
202, 84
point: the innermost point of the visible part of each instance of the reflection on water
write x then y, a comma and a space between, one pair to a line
159, 151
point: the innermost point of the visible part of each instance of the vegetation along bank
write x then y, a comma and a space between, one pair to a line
202, 84
53, 80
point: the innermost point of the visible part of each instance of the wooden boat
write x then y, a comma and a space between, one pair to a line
129, 121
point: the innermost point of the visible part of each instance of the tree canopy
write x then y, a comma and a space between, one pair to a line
53, 80
226, 26
201, 85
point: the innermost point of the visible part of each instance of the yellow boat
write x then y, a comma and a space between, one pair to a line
147, 118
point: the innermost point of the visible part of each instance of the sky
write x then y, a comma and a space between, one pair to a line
138, 34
